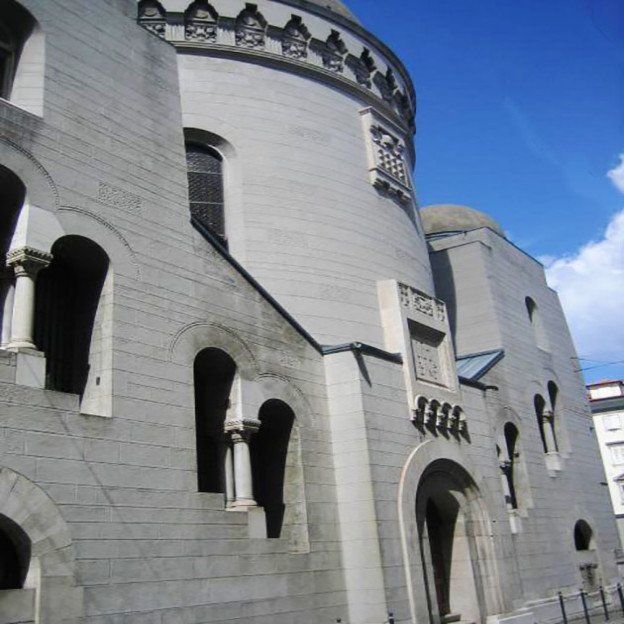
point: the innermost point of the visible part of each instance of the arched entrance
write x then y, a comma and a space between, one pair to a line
449, 527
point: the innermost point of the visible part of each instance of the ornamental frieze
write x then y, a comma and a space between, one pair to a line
201, 26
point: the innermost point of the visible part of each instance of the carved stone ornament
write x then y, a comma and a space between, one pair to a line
200, 22
434, 415
363, 67
295, 39
250, 28
152, 16
387, 85
334, 52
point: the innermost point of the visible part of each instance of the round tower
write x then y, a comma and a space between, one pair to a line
310, 119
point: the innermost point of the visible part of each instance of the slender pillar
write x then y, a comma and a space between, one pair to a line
548, 425
26, 262
229, 472
7, 292
241, 431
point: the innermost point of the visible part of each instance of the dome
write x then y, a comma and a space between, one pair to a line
336, 6
449, 218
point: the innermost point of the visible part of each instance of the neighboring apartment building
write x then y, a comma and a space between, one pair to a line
242, 377
606, 400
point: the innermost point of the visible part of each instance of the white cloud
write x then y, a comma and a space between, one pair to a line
616, 175
590, 284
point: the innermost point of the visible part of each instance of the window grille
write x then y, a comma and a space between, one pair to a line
205, 181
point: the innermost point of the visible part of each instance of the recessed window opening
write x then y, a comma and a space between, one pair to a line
583, 536
269, 451
214, 372
536, 322
67, 297
511, 442
205, 181
15, 553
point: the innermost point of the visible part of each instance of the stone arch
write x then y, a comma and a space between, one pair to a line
438, 457
84, 223
52, 571
192, 338
40, 187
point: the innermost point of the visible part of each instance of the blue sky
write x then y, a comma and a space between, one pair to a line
521, 115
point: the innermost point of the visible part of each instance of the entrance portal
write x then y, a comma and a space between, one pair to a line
449, 529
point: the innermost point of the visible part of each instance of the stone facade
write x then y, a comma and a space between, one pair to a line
292, 420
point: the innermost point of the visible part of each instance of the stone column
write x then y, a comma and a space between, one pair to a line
241, 431
7, 291
548, 425
26, 262
228, 471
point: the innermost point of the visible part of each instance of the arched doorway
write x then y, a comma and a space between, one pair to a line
453, 540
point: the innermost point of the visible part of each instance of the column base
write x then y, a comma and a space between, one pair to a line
30, 369
243, 504
21, 345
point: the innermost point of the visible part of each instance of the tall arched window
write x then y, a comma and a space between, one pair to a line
15, 549
536, 323
269, 451
214, 372
67, 301
205, 182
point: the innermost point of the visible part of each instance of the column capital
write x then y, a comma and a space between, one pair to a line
548, 415
28, 260
243, 429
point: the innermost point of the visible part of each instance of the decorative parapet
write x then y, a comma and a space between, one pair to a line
363, 69
387, 166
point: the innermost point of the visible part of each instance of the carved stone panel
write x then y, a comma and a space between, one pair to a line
427, 354
386, 150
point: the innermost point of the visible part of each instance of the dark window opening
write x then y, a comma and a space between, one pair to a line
214, 372
540, 404
582, 536
269, 451
16, 25
205, 182
15, 551
67, 297
511, 442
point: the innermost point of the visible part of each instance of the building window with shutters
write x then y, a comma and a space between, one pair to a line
205, 181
